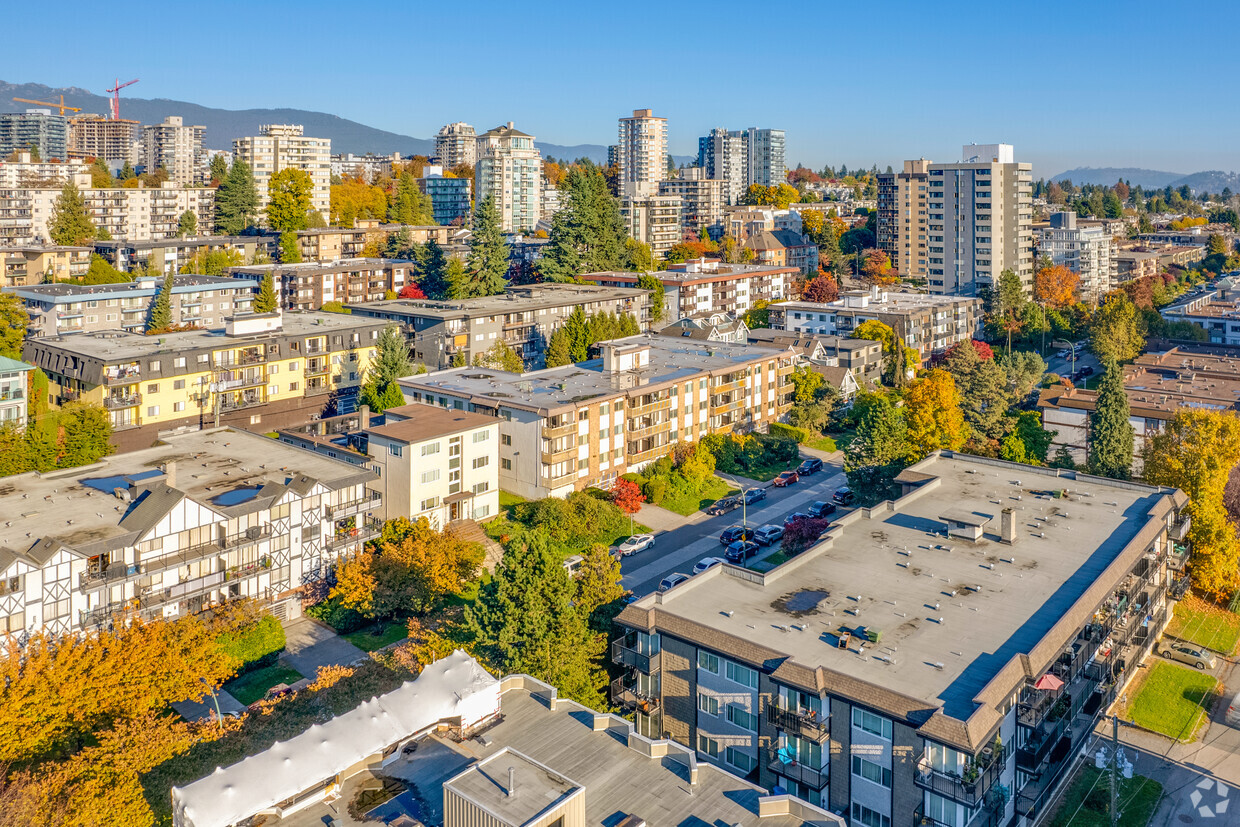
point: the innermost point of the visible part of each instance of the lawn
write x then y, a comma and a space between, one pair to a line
1172, 699
366, 639
1201, 622
843, 439
821, 443
252, 686
684, 504
1086, 802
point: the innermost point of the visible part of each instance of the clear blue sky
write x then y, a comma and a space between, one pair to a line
1070, 84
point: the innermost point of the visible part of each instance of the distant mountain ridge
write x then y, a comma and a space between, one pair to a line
223, 125
1207, 181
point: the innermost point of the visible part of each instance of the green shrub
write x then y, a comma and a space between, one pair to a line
340, 618
634, 478
576, 520
598, 493
655, 490
779, 429
254, 646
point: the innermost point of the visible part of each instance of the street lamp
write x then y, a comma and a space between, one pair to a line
219, 719
744, 502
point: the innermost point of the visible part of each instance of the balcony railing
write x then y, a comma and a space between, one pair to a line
969, 788
557, 431
115, 573
241, 401
113, 403
627, 656
810, 724
630, 697
251, 535
352, 536
345, 509
317, 389
813, 777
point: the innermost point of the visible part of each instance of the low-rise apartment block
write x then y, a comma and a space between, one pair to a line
172, 254
862, 358
13, 387
568, 428
444, 333
309, 285
705, 285
197, 302
929, 324
327, 244
261, 371
25, 172
450, 197
1085, 249
1216, 310
702, 199
169, 530
36, 263
785, 248
896, 672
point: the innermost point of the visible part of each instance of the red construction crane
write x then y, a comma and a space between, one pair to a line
116, 97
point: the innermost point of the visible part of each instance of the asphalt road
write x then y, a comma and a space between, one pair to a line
678, 550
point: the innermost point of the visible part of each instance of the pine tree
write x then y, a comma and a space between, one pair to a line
559, 352
409, 205
880, 449
488, 255
188, 224
655, 286
434, 272
127, 172
219, 168
70, 223
1110, 432
588, 234
160, 318
266, 301
457, 280
391, 360
236, 200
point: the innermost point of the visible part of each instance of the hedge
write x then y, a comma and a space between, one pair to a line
254, 646
779, 429
340, 618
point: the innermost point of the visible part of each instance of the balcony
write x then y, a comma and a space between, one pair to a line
251, 535
192, 587
970, 787
351, 507
630, 697
317, 388
623, 655
559, 455
779, 761
352, 536
645, 427
241, 401
243, 570
558, 431
808, 724
115, 573
315, 367
243, 380
117, 401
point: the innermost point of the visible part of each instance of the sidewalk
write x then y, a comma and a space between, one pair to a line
205, 708
660, 519
311, 644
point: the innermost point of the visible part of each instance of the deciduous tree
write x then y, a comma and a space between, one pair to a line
1115, 333
933, 414
187, 225
821, 288
500, 357
1056, 286
13, 321
288, 199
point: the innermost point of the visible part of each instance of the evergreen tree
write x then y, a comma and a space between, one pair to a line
13, 320
1110, 432
487, 264
983, 386
127, 172
236, 200
880, 449
458, 281
266, 301
434, 271
655, 286
70, 223
219, 168
588, 234
500, 357
409, 205
290, 249
160, 318
188, 225
559, 351
391, 360
576, 326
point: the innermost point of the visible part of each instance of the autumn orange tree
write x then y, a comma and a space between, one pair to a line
876, 267
933, 414
821, 288
1056, 286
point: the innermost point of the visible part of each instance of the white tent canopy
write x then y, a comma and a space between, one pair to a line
451, 688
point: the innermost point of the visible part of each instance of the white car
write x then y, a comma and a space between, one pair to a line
636, 543
707, 563
672, 581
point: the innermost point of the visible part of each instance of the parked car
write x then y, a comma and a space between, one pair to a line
672, 580
753, 495
741, 551
844, 496
811, 466
795, 517
734, 533
768, 534
723, 506
1184, 653
1232, 716
786, 478
636, 543
821, 509
1064, 354
1088, 370
707, 563
571, 564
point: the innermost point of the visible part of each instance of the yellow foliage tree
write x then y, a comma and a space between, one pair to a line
1196, 452
933, 415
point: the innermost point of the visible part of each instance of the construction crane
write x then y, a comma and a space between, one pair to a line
61, 106
116, 97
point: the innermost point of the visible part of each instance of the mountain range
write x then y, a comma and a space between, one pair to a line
1207, 181
223, 125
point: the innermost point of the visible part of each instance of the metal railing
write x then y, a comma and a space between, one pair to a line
627, 656
115, 402
364, 532
969, 788
815, 777
630, 697
346, 508
251, 535
810, 724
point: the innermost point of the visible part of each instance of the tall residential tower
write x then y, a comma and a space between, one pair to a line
456, 144
641, 153
281, 146
509, 168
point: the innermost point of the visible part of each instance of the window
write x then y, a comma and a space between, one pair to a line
738, 759
481, 436
13, 624
178, 362
430, 448
154, 365
708, 704
709, 746
154, 388
505, 464
428, 504
871, 772
583, 464
178, 384
482, 511
742, 675
177, 407
866, 817
481, 487
152, 410
742, 718
582, 439
505, 439
871, 723
430, 476
292, 386
708, 662
12, 585
396, 450
583, 415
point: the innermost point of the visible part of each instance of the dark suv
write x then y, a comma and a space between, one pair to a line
741, 550
810, 466
731, 535
844, 496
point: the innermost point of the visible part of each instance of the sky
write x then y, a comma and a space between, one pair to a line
1123, 84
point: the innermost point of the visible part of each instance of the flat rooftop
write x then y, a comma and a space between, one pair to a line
671, 360
513, 300
418, 423
224, 468
180, 284
536, 787
952, 612
695, 271
315, 267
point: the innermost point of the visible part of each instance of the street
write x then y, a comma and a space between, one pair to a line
679, 549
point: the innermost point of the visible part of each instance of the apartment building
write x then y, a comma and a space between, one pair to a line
451, 198
490, 750
1215, 309
260, 372
456, 144
197, 302
509, 169
1134, 263
641, 154
13, 384
176, 147
903, 217
862, 358
454, 332
701, 198
653, 220
1158, 385
568, 428
25, 172
310, 285
1086, 250
928, 324
784, 248
34, 264
326, 244
285, 146
706, 285
115, 141
138, 214
853, 680
368, 167
170, 530
172, 254
750, 156
980, 221
35, 129
715, 326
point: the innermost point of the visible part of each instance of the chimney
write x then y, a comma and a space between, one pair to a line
170, 473
1007, 529
512, 782
363, 415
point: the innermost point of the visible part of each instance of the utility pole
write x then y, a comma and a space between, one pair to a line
1114, 771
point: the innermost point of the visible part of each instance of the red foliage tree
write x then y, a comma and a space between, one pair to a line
821, 288
1141, 291
627, 496
804, 533
411, 291
984, 351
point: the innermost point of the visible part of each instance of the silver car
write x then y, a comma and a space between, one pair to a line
1186, 653
636, 543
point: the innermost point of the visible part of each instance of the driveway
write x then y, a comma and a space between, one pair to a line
205, 708
311, 644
